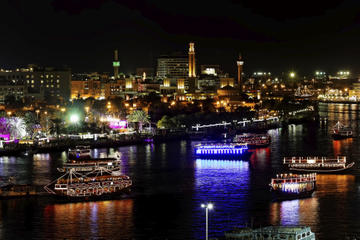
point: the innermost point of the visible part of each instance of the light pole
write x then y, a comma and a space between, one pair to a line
207, 207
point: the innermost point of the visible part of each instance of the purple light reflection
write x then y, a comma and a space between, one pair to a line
227, 185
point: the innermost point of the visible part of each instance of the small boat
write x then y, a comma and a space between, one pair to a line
96, 185
253, 140
80, 152
293, 186
341, 131
218, 151
317, 164
11, 190
271, 232
17, 190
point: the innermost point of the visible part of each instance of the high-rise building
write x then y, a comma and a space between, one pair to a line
172, 67
192, 69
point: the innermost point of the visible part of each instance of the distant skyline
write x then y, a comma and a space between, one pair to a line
272, 36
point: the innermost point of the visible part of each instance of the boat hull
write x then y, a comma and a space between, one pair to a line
102, 197
281, 196
339, 136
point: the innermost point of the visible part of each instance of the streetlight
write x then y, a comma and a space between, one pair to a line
292, 74
74, 118
207, 207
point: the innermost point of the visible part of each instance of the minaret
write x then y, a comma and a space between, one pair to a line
192, 72
240, 64
116, 64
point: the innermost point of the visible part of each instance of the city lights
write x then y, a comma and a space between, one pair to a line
74, 118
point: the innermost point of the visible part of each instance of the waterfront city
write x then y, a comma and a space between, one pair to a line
144, 120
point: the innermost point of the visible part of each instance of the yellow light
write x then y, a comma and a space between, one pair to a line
87, 109
126, 104
134, 105
63, 109
9, 113
45, 112
37, 111
292, 74
173, 103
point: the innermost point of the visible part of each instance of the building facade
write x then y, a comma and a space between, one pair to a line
41, 83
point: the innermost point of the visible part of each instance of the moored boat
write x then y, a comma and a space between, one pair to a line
341, 131
317, 164
88, 166
293, 186
95, 185
80, 152
11, 190
253, 140
219, 151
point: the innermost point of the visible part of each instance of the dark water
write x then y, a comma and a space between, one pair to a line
170, 184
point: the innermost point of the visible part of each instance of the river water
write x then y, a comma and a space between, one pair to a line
170, 184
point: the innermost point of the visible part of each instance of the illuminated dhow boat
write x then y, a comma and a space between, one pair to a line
99, 184
91, 164
223, 150
317, 164
79, 152
88, 166
341, 131
253, 140
293, 186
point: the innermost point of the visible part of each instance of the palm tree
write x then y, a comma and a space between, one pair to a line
140, 117
17, 127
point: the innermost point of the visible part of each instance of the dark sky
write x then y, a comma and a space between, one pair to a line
271, 35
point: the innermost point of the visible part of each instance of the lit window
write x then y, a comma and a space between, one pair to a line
42, 81
32, 81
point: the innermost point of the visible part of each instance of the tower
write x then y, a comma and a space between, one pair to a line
116, 64
240, 64
192, 72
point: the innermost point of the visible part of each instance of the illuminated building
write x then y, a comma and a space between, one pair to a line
172, 67
226, 82
181, 84
19, 91
210, 70
192, 69
240, 64
41, 82
85, 89
116, 65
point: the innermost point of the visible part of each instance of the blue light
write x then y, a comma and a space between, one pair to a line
221, 149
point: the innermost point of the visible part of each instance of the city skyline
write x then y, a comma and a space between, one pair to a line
83, 35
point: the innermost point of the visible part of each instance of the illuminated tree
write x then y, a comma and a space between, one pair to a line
17, 127
140, 117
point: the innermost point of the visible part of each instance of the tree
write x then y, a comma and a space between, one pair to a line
30, 120
17, 127
166, 122
140, 117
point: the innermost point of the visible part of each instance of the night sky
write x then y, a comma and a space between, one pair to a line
272, 36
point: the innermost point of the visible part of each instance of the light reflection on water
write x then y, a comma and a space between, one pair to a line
226, 184
170, 184
103, 219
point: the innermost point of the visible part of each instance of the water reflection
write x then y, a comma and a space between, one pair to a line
104, 219
226, 183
